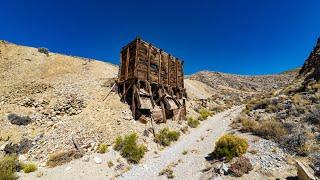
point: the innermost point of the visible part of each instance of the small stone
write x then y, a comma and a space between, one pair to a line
86, 159
39, 174
22, 158
68, 168
97, 160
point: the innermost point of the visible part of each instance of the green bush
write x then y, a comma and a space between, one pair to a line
193, 122
102, 148
165, 137
230, 146
205, 113
8, 167
129, 148
29, 167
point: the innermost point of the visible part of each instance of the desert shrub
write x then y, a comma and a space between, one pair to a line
230, 146
241, 166
102, 148
43, 50
129, 148
110, 164
168, 172
299, 100
248, 125
313, 117
29, 167
296, 141
271, 108
19, 120
260, 104
8, 166
193, 122
165, 137
270, 129
60, 158
205, 113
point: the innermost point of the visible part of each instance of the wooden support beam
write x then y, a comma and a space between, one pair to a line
127, 64
133, 105
149, 62
159, 70
162, 107
169, 59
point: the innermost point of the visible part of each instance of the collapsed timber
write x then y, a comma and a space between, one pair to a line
151, 82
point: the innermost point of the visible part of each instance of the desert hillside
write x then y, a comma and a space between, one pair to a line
46, 99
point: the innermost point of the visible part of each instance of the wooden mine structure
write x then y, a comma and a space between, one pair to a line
151, 82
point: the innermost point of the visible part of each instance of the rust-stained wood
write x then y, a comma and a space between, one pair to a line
151, 78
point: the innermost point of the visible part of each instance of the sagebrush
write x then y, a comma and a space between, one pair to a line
230, 146
166, 136
129, 148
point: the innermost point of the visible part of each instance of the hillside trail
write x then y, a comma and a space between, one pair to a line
198, 144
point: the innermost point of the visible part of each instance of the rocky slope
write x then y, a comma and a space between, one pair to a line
291, 116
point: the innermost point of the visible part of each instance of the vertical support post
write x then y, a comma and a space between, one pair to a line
136, 57
160, 61
149, 62
176, 66
127, 64
162, 106
169, 59
133, 105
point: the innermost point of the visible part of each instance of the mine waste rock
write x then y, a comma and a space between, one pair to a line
311, 67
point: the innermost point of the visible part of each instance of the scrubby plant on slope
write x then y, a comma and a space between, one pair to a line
29, 167
8, 166
129, 148
193, 122
230, 146
204, 113
165, 137
102, 148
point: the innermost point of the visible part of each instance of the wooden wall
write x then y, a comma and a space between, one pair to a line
146, 62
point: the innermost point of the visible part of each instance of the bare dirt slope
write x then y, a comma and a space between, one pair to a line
63, 97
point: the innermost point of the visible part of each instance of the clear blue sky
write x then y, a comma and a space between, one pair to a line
234, 36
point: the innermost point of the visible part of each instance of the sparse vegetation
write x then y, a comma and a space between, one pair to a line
205, 113
230, 146
29, 167
129, 148
313, 117
102, 148
165, 137
8, 167
270, 129
63, 157
168, 172
241, 166
110, 164
43, 50
193, 122
185, 152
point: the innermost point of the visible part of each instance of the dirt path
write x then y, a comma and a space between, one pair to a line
198, 144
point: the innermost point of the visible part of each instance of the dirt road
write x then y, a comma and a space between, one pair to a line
198, 144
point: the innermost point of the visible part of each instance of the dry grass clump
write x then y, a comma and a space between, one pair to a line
8, 166
165, 137
60, 158
270, 129
193, 122
102, 148
129, 148
29, 167
205, 113
168, 172
299, 100
110, 164
230, 146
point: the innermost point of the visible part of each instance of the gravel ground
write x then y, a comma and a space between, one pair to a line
199, 143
